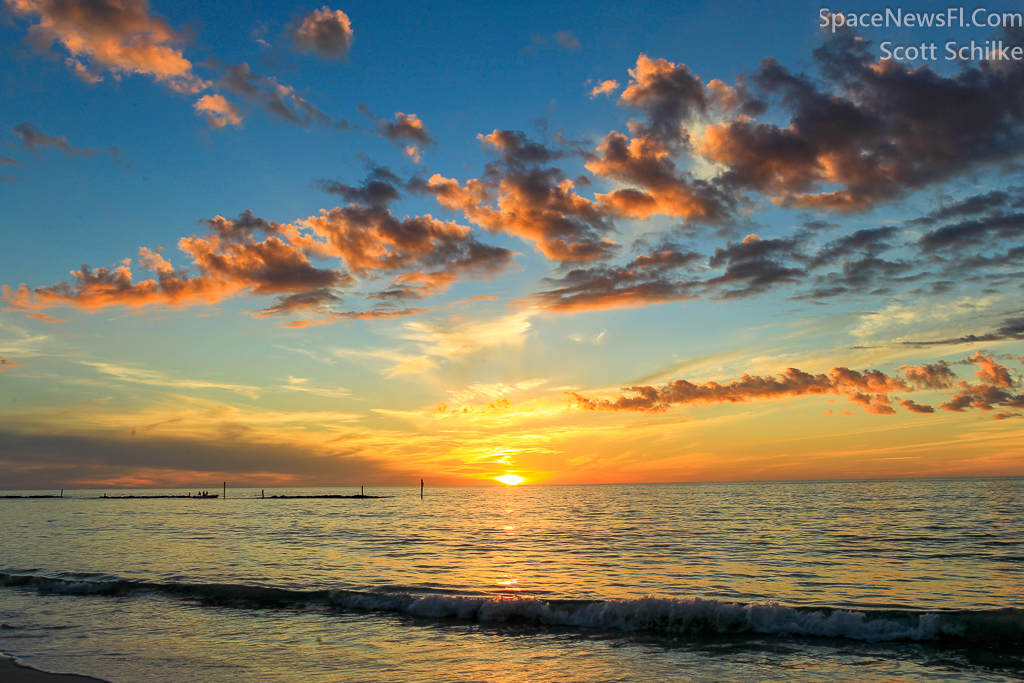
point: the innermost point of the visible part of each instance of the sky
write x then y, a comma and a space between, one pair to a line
283, 244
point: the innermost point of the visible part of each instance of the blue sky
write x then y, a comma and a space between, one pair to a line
104, 157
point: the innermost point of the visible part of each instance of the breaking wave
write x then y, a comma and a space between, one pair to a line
682, 617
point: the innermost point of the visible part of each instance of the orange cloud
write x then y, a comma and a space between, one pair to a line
218, 110
327, 33
119, 36
225, 267
647, 162
604, 88
377, 314
991, 392
371, 238
869, 389
536, 205
422, 255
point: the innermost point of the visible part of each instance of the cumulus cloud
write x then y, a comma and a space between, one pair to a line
873, 128
995, 388
250, 255
218, 110
406, 128
326, 32
872, 390
115, 36
371, 239
521, 197
604, 88
379, 188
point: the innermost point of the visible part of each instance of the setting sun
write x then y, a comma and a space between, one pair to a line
510, 479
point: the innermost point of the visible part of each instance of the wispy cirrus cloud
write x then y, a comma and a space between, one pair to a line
138, 375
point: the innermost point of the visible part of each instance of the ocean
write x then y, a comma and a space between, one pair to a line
899, 580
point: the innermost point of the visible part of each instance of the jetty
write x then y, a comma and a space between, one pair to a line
205, 495
35, 496
323, 495
193, 497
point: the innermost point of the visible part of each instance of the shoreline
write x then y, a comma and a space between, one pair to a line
12, 672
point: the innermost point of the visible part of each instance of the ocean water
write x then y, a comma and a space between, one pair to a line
919, 580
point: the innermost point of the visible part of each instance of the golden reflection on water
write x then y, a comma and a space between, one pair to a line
930, 544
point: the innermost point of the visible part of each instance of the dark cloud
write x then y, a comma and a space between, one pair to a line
379, 188
971, 206
405, 127
913, 407
317, 301
1012, 328
646, 280
517, 150
327, 33
45, 460
975, 232
878, 130
276, 99
755, 266
930, 376
669, 95
34, 140
861, 270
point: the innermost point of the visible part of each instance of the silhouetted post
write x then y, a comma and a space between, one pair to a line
62, 493
263, 494
225, 490
360, 490
421, 489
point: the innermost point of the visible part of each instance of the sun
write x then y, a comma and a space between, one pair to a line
510, 479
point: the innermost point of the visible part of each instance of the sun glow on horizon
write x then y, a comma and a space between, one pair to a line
510, 479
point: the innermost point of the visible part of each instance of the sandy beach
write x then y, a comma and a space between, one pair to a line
12, 673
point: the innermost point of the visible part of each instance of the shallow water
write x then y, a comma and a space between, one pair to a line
881, 580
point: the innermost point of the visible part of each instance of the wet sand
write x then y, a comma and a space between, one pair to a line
12, 673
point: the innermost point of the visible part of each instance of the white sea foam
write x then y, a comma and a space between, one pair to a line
690, 615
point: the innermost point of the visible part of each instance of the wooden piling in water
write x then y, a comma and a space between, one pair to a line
225, 490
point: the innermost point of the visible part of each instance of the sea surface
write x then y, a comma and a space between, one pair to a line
903, 580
